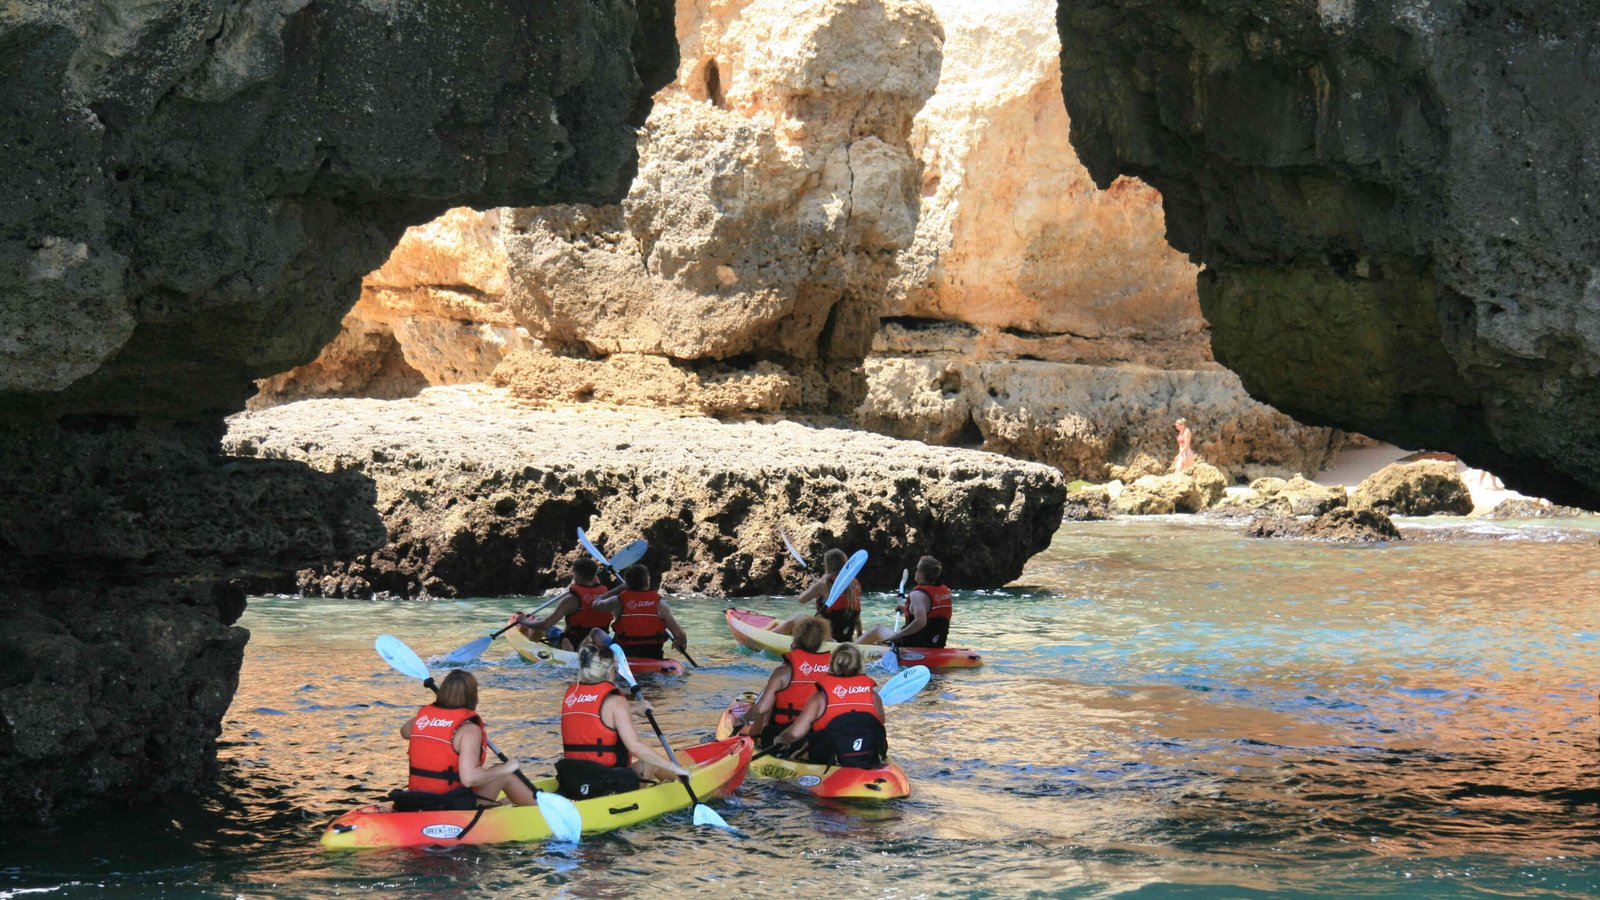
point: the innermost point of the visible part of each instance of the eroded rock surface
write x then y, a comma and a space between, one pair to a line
1394, 202
1342, 525
189, 196
1423, 488
482, 496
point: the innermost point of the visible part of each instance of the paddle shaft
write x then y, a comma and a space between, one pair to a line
651, 715
503, 758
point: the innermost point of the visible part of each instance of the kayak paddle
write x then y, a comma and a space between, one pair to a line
784, 536
890, 661
894, 692
625, 557
846, 575
559, 813
703, 814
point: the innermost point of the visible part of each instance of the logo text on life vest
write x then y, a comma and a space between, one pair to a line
843, 692
424, 721
575, 699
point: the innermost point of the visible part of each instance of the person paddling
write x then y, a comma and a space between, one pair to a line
644, 620
927, 610
602, 752
844, 619
791, 684
576, 606
447, 749
842, 721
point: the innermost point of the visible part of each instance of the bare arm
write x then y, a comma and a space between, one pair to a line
608, 603
620, 713
809, 714
469, 741
817, 591
665, 612
761, 710
405, 729
918, 603
566, 606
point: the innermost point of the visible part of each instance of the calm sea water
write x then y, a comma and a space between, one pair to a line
1168, 709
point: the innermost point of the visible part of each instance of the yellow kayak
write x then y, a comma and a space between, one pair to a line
535, 652
888, 782
716, 770
750, 630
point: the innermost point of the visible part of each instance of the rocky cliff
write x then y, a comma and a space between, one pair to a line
1394, 202
190, 194
481, 495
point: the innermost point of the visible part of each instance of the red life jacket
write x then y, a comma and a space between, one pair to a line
434, 759
850, 694
584, 734
586, 616
939, 605
640, 622
849, 601
804, 667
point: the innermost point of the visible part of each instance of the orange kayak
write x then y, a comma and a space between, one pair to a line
888, 782
750, 630
716, 770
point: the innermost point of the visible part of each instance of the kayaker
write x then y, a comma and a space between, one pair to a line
576, 606
448, 751
602, 752
927, 611
844, 718
844, 619
644, 620
791, 684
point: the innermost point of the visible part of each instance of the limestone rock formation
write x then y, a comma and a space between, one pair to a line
189, 196
1394, 202
1079, 418
1423, 488
775, 185
1341, 525
641, 379
482, 496
1294, 497
1189, 492
434, 313
1529, 508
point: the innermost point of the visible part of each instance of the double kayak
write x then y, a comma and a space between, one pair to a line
750, 630
888, 782
535, 652
716, 770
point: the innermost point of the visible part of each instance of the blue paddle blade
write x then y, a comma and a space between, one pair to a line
622, 665
400, 657
890, 662
561, 814
629, 555
846, 575
468, 652
784, 536
583, 541
705, 815
904, 686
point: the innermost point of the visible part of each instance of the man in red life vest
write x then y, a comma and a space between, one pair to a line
927, 610
644, 620
792, 683
576, 606
844, 718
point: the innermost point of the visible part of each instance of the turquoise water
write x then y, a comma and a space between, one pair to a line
1168, 709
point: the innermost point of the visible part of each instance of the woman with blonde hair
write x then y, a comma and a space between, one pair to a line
602, 751
448, 746
843, 720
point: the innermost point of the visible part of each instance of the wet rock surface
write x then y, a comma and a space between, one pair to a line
1530, 508
1341, 525
1394, 203
482, 496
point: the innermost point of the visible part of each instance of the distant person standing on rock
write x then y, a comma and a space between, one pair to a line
1185, 459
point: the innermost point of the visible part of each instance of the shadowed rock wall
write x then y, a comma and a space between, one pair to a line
189, 196
1395, 203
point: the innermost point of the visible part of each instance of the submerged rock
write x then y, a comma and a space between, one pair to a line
1341, 525
1423, 488
482, 496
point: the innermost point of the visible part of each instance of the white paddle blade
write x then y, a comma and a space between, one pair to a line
630, 554
904, 686
705, 815
561, 814
465, 654
846, 575
622, 665
784, 536
905, 575
400, 657
583, 541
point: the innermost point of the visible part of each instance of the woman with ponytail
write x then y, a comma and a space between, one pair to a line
603, 753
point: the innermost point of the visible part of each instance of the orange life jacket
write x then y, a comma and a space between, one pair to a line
434, 759
640, 621
851, 694
939, 605
586, 616
584, 734
850, 600
804, 667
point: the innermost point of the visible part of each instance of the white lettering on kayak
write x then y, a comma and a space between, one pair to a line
445, 832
